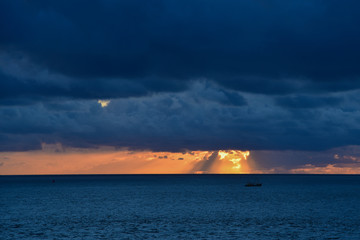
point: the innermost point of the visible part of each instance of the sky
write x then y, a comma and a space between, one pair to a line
114, 86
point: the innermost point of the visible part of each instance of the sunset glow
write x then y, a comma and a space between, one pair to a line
238, 160
55, 159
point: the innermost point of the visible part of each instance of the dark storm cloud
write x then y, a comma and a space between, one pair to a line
189, 74
196, 119
302, 101
272, 47
24, 91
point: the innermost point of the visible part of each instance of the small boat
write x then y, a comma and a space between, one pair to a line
253, 185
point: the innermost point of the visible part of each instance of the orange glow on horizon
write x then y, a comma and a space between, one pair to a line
56, 159
328, 169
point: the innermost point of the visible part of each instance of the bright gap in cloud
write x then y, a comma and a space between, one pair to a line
57, 159
104, 103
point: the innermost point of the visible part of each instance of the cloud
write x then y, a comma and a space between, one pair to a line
303, 101
340, 160
202, 118
180, 75
328, 169
130, 48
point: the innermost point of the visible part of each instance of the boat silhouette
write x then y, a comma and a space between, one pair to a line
253, 185
254, 182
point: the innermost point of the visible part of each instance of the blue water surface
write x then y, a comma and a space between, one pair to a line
180, 207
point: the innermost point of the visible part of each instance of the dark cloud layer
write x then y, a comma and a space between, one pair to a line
303, 101
202, 118
271, 47
189, 74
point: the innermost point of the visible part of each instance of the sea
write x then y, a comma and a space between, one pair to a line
213, 206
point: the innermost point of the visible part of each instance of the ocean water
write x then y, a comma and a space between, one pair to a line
180, 207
